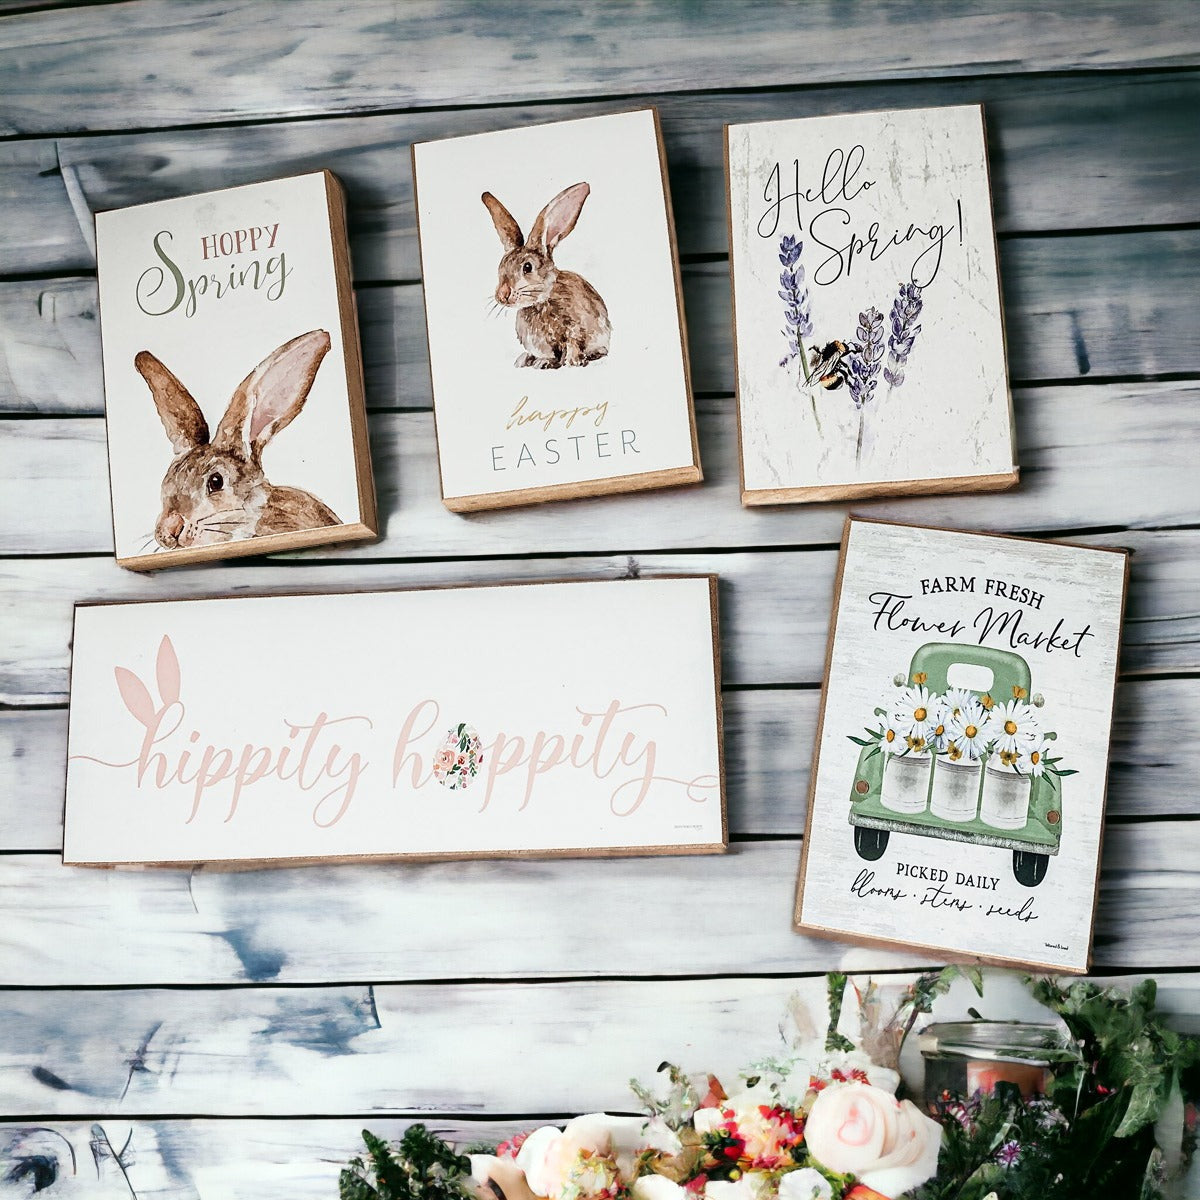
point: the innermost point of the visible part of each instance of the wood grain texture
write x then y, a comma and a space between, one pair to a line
334, 924
774, 605
1090, 457
223, 1159
768, 735
1076, 307
1065, 154
387, 1049
69, 70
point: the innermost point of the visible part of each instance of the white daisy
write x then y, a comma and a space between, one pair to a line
915, 712
1033, 757
969, 729
957, 700
942, 732
1011, 725
890, 739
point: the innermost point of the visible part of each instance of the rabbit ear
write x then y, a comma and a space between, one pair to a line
269, 398
506, 225
558, 218
179, 413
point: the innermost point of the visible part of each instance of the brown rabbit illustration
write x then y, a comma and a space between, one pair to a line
561, 319
215, 490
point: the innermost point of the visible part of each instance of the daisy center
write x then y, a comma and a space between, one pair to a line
1010, 727
971, 731
890, 736
919, 714
1035, 757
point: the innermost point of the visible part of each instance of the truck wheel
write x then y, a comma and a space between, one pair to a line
1030, 868
870, 843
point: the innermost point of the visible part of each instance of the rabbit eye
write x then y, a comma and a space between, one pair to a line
215, 483
528, 268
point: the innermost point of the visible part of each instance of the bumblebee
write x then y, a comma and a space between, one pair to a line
828, 365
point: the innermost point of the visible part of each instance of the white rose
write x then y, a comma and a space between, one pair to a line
805, 1184
889, 1144
510, 1179
753, 1185
548, 1155
706, 1120
656, 1187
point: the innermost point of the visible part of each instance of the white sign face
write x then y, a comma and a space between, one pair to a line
232, 378
522, 719
957, 801
551, 296
870, 348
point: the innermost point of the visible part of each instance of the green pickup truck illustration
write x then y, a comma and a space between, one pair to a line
962, 763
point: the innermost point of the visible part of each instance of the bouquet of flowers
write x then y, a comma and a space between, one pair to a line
964, 725
826, 1123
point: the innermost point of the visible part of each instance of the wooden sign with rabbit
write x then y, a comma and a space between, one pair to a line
285, 728
556, 338
228, 318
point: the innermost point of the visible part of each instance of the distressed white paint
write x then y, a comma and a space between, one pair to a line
1093, 457
775, 604
726, 914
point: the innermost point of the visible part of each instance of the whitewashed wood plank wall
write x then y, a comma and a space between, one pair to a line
198, 1034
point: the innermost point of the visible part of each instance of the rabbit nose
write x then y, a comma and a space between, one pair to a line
172, 525
503, 292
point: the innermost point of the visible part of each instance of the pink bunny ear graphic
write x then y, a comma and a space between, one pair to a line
167, 669
136, 697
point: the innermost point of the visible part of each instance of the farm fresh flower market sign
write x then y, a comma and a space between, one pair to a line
958, 790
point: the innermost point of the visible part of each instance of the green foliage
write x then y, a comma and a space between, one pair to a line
835, 982
1093, 1135
1124, 1046
420, 1167
677, 1106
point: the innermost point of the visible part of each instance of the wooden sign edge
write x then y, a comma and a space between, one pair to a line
366, 528
828, 493
238, 864
605, 485
947, 953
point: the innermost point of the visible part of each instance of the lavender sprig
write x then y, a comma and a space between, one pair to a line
864, 364
905, 310
796, 311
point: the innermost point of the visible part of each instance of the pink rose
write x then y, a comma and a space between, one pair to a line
889, 1144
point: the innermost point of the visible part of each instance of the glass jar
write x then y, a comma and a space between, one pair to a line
965, 1057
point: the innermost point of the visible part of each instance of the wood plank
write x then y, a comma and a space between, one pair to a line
1075, 307
233, 1159
69, 70
774, 604
229, 1159
767, 738
1052, 142
65, 926
388, 1049
1096, 456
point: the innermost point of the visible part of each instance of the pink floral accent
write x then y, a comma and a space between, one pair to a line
459, 759
511, 1147
767, 1135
